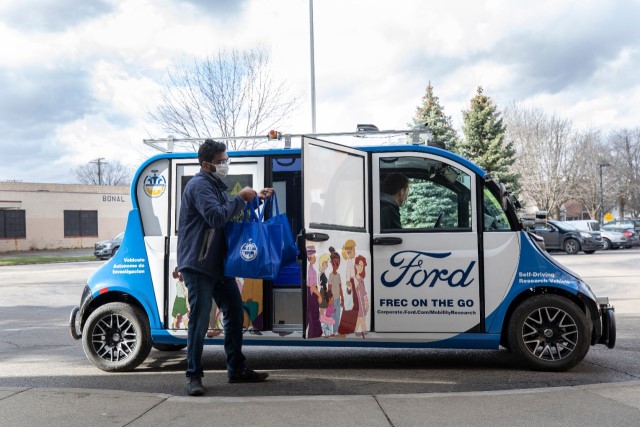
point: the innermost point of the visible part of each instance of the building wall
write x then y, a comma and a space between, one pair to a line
44, 206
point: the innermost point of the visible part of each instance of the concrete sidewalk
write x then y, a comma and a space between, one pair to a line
589, 405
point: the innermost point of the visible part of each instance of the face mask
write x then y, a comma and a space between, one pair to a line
221, 171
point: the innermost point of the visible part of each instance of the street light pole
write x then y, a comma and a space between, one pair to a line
313, 70
602, 166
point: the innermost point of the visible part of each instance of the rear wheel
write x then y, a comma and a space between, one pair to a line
117, 337
572, 246
550, 333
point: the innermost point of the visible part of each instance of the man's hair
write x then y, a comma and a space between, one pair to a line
394, 183
208, 149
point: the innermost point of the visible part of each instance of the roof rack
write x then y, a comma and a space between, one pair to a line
418, 135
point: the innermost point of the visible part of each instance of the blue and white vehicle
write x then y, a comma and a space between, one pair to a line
462, 272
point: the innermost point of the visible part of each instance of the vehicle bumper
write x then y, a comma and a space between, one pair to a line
607, 333
592, 245
102, 252
77, 314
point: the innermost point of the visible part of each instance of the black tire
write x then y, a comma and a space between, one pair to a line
571, 246
169, 347
550, 333
116, 337
607, 244
113, 252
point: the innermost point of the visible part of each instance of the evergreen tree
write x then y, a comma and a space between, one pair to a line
484, 141
431, 115
426, 200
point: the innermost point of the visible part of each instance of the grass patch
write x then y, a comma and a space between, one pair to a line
45, 260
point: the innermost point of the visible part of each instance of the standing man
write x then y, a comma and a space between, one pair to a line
202, 248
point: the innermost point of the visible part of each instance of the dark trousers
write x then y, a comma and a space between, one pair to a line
202, 290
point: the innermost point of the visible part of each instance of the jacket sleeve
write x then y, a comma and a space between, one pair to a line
216, 212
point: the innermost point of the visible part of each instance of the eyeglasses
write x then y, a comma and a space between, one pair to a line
221, 162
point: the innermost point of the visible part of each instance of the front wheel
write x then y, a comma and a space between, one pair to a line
117, 337
572, 246
550, 333
606, 244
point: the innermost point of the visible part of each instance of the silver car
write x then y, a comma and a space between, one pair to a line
613, 239
106, 248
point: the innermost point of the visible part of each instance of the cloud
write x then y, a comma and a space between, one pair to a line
77, 77
52, 15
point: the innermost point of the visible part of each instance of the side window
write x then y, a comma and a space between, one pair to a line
494, 217
437, 195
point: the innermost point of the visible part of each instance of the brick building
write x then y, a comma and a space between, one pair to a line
52, 216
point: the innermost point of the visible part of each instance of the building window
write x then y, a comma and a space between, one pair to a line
12, 224
80, 223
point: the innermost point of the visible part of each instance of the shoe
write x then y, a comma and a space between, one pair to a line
248, 376
194, 387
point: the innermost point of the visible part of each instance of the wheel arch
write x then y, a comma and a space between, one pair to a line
531, 292
108, 297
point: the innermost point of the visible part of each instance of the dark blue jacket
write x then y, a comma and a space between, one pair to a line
204, 211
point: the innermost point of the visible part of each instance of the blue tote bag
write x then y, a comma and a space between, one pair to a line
254, 247
289, 248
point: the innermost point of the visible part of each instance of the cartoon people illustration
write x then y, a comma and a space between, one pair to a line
349, 253
326, 320
180, 310
314, 329
252, 299
363, 299
324, 263
335, 285
348, 318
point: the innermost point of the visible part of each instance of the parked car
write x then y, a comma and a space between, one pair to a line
107, 248
611, 239
561, 236
626, 223
632, 236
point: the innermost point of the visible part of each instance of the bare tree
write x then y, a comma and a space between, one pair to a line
624, 170
230, 93
545, 148
103, 172
590, 153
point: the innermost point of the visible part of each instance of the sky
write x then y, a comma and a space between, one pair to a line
78, 77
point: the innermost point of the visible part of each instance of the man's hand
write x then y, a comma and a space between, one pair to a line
247, 194
266, 192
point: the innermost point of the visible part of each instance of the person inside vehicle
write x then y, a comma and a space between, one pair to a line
394, 192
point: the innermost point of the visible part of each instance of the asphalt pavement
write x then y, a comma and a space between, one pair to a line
583, 405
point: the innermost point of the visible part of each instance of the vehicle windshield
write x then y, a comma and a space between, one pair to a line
119, 236
564, 226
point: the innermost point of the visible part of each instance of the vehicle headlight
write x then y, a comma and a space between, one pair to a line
585, 234
107, 245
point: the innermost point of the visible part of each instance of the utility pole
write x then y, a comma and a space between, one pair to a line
99, 162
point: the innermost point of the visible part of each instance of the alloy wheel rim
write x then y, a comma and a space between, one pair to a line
114, 338
550, 334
